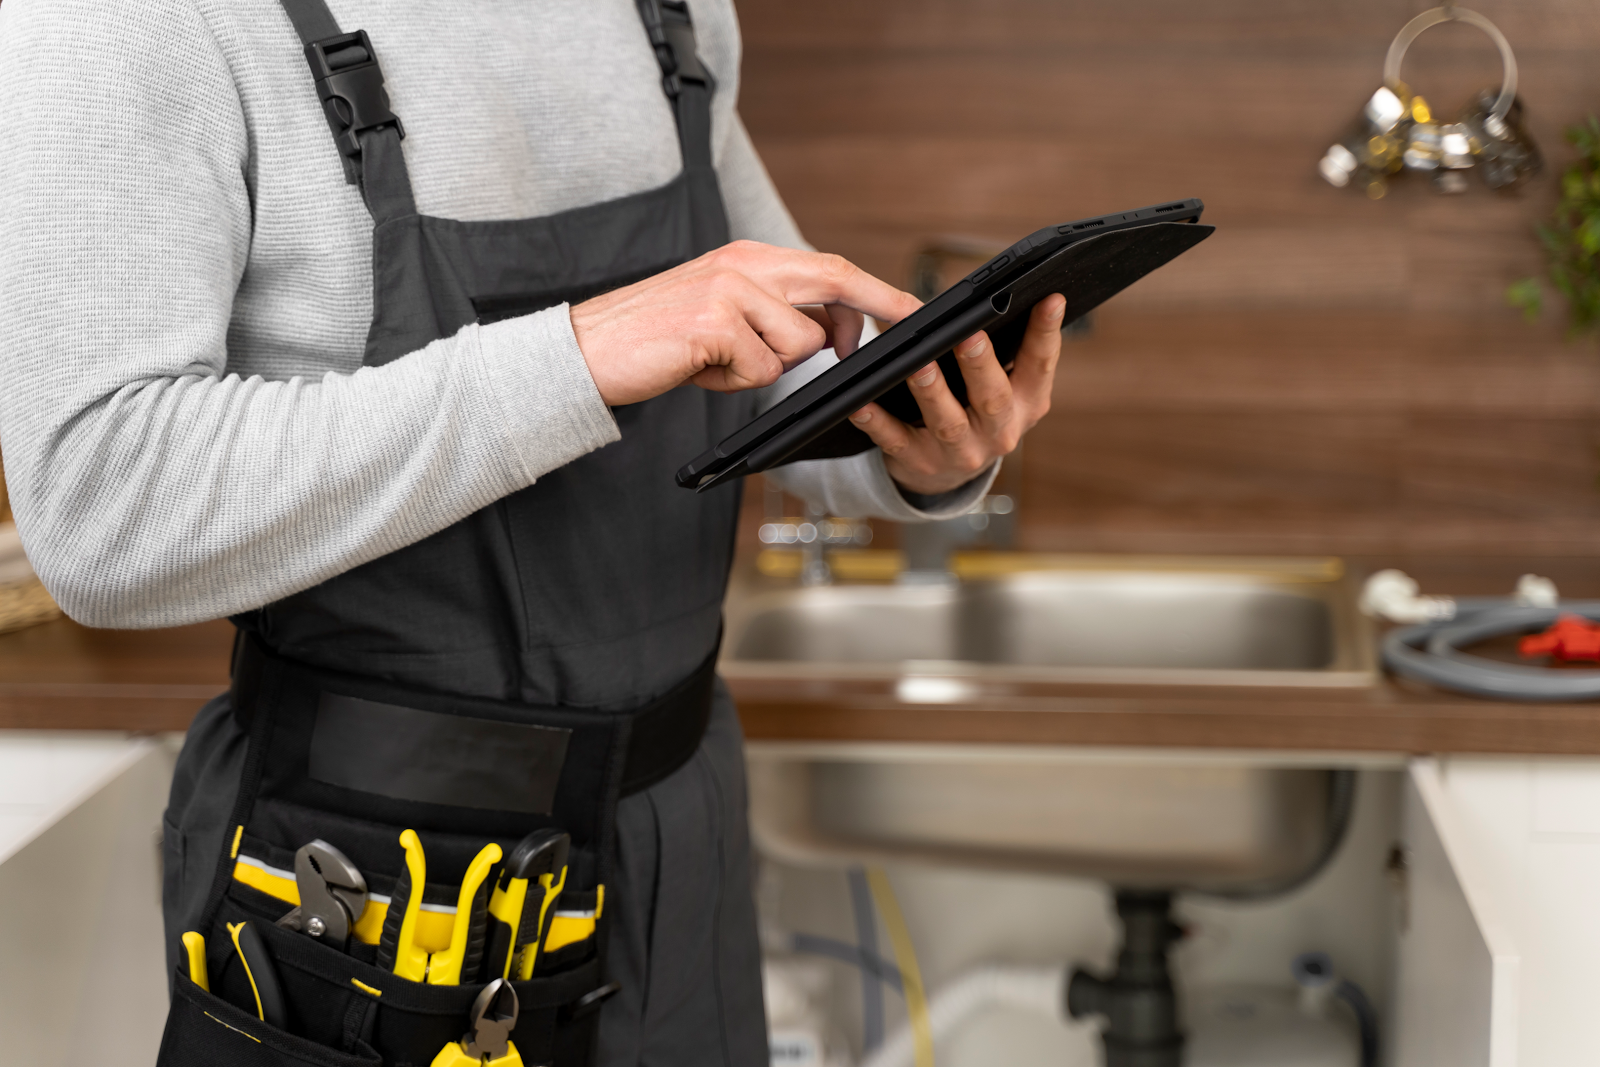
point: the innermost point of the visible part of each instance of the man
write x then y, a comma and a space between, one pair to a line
399, 383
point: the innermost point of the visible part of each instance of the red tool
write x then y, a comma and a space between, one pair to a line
1573, 637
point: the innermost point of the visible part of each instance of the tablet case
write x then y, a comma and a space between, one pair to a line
1088, 271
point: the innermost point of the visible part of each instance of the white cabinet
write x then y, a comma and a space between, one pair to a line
82, 971
1456, 966
1498, 965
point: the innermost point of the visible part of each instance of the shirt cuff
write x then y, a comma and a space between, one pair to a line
961, 497
930, 506
549, 405
860, 485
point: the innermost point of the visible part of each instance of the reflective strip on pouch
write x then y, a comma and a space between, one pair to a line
570, 927
435, 922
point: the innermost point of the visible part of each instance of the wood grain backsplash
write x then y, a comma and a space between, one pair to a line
1327, 373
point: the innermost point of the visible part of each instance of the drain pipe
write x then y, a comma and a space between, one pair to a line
1040, 990
1137, 999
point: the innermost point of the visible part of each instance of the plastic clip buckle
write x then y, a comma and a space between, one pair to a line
350, 84
673, 38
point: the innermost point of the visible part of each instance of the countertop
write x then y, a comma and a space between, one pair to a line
59, 675
64, 676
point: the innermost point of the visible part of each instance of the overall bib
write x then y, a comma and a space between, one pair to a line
523, 669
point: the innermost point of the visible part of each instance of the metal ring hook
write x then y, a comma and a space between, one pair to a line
1451, 13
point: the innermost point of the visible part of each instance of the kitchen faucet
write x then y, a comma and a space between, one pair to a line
814, 569
928, 546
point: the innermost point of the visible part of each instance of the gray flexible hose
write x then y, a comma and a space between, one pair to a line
1431, 652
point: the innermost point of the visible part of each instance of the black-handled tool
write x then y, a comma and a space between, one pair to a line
262, 973
398, 950
332, 894
530, 881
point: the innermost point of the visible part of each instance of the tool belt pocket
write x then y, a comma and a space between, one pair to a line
204, 1030
338, 1010
262, 881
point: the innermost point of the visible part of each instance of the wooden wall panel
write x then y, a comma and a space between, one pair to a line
1327, 373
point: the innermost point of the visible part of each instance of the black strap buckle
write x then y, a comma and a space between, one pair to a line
588, 1003
350, 83
671, 33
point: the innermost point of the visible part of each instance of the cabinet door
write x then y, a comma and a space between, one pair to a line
1457, 966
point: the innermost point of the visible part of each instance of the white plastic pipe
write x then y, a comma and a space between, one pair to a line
1394, 595
1041, 990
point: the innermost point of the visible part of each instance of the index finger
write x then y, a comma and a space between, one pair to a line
801, 277
843, 325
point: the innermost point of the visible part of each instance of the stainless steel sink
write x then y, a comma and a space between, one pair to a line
1263, 622
1210, 823
1214, 822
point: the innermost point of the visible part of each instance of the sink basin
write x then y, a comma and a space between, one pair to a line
1208, 823
1199, 821
1259, 623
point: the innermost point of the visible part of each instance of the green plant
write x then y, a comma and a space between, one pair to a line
1572, 239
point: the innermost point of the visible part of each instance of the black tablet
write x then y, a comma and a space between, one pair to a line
1088, 262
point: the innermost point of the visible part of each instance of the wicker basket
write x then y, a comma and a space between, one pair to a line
25, 604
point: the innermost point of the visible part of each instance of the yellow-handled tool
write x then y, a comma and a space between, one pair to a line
398, 950
194, 946
261, 972
534, 874
445, 968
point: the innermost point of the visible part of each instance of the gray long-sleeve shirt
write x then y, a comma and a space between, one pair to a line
185, 285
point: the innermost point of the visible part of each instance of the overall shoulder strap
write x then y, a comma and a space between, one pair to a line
689, 86
344, 67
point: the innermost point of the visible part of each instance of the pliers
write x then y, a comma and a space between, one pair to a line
332, 894
488, 1042
398, 950
466, 935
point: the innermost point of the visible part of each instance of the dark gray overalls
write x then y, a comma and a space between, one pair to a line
545, 662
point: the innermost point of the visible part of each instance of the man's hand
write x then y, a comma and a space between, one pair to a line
728, 321
957, 443
740, 316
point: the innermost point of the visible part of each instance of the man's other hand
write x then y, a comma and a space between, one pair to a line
956, 443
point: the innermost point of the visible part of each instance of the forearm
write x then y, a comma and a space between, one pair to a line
183, 498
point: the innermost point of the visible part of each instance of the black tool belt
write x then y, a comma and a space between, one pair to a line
356, 763
402, 743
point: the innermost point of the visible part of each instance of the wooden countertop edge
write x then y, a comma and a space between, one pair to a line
1383, 719
1379, 720
134, 707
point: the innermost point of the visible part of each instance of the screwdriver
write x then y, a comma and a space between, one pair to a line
447, 967
536, 872
194, 945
